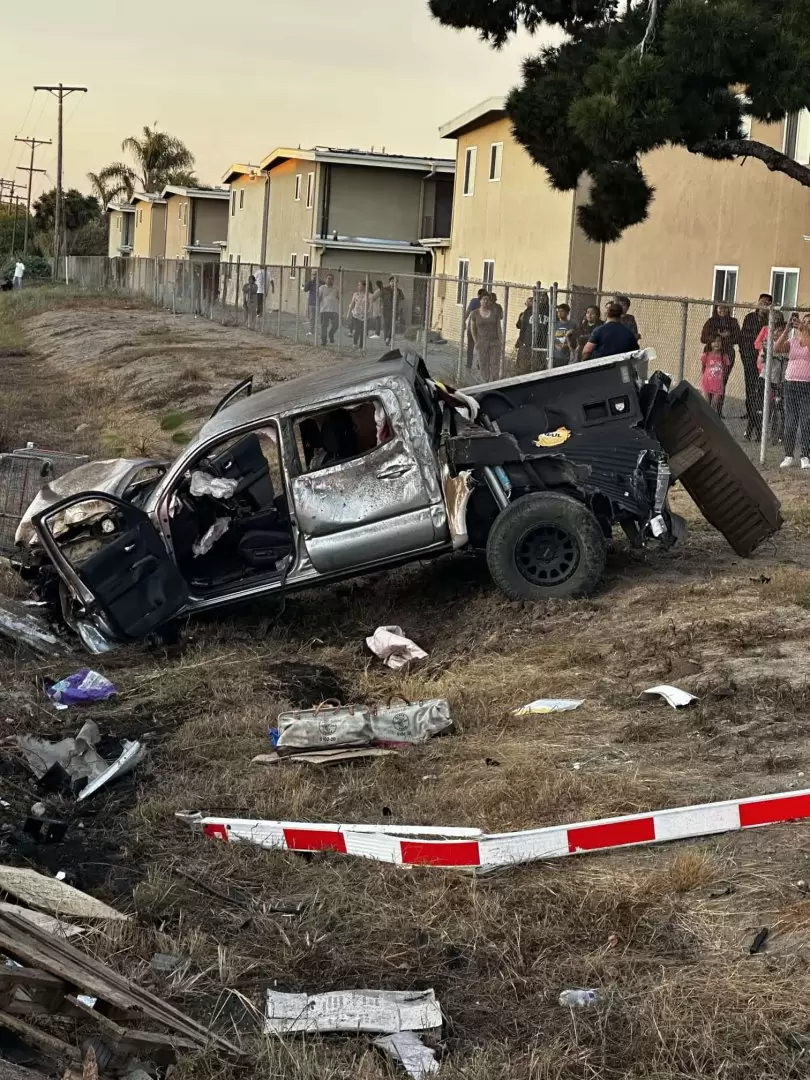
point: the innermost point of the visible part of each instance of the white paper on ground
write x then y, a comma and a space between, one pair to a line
53, 894
417, 1059
547, 705
393, 648
671, 694
381, 1011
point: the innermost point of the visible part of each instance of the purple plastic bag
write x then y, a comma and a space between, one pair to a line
83, 686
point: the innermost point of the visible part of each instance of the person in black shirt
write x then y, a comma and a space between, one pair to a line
612, 337
753, 322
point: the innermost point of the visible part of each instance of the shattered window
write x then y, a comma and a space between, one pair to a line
337, 435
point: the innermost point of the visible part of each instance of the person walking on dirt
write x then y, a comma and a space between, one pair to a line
19, 270
329, 303
797, 391
754, 322
260, 278
249, 299
473, 305
358, 313
485, 327
611, 338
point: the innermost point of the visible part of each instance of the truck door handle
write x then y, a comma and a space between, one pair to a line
393, 471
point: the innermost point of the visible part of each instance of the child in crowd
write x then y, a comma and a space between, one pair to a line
715, 371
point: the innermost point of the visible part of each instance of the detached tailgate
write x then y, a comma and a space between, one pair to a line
716, 472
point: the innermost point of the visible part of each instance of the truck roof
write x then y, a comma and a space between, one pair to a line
319, 387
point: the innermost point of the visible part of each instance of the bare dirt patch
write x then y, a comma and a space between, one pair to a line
663, 932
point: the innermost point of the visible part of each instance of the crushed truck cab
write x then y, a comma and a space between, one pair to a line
374, 464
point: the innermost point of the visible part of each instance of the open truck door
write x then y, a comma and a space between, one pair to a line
113, 562
725, 484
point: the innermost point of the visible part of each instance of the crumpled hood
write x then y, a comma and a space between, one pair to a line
111, 477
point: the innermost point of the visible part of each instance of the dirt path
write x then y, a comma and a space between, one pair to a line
662, 931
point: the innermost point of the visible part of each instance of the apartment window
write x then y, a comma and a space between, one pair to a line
725, 284
185, 213
233, 203
470, 155
140, 215
230, 258
118, 224
310, 190
305, 260
179, 211
461, 285
242, 199
488, 273
785, 286
495, 160
298, 187
293, 265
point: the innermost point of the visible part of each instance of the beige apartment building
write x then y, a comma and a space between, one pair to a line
196, 222
149, 230
715, 229
247, 214
121, 236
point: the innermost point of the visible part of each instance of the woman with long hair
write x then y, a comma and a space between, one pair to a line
797, 390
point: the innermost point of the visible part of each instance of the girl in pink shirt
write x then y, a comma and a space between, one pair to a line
716, 365
797, 390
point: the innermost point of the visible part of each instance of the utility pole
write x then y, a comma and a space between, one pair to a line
33, 143
60, 92
7, 184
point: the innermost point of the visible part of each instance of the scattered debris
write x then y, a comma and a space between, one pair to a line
332, 726
132, 755
45, 830
21, 625
53, 894
169, 964
578, 999
44, 921
324, 757
548, 705
383, 1011
83, 686
393, 648
759, 940
407, 1048
761, 580
60, 765
59, 977
673, 696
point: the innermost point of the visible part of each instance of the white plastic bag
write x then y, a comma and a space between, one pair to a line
393, 648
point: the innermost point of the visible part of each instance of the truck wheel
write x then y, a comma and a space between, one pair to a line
546, 545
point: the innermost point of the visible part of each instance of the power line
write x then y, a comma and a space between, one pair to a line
33, 143
22, 125
60, 92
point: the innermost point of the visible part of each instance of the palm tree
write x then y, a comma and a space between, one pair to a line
106, 190
160, 159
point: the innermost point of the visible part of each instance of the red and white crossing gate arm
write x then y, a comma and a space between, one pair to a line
416, 845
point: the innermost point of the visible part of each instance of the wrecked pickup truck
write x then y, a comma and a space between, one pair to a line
365, 466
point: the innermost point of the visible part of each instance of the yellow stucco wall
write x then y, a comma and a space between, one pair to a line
290, 222
116, 233
143, 225
518, 221
708, 214
178, 223
245, 214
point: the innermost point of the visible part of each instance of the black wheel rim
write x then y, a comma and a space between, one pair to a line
547, 555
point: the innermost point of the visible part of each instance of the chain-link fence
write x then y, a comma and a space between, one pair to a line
354, 312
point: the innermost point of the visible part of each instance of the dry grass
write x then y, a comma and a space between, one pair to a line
663, 933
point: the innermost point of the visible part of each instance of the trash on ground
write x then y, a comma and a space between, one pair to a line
83, 686
61, 980
324, 757
53, 894
408, 1049
19, 624
759, 940
43, 920
59, 765
170, 964
210, 537
132, 755
393, 648
671, 694
331, 726
578, 999
218, 487
548, 705
383, 1011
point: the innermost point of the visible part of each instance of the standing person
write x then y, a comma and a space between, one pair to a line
390, 292
797, 391
358, 313
722, 324
589, 323
494, 299
628, 320
779, 362
752, 324
485, 327
375, 321
260, 278
473, 305
19, 270
562, 330
715, 372
311, 289
525, 340
329, 303
249, 294
611, 338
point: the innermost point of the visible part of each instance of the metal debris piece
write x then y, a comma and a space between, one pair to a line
22, 626
383, 1011
77, 756
132, 755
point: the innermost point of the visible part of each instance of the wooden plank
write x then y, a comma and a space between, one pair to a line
53, 895
9, 1070
119, 1035
32, 977
49, 1044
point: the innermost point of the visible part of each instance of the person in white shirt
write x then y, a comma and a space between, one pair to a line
329, 307
258, 276
19, 270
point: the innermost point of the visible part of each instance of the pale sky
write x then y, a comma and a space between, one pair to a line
235, 80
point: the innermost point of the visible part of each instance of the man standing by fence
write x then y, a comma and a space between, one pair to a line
259, 276
752, 324
329, 306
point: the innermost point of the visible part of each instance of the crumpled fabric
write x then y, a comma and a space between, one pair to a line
393, 648
210, 537
83, 686
218, 487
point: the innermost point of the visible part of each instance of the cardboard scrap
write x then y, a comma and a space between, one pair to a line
408, 1049
672, 695
383, 1011
53, 895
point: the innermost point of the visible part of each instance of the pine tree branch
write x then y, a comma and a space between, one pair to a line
775, 160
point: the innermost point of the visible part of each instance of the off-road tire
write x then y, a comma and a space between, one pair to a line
545, 546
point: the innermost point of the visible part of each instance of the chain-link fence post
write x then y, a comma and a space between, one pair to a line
766, 397
394, 306
552, 325
365, 318
431, 284
280, 299
682, 349
340, 311
504, 334
535, 327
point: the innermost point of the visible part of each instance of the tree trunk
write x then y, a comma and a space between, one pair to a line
776, 161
